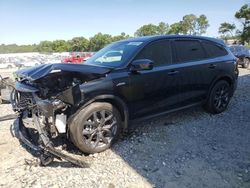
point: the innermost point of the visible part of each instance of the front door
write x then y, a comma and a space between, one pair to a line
150, 89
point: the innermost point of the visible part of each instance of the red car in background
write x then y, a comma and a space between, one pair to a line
79, 58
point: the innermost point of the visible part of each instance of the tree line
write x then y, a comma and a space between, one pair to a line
78, 44
189, 25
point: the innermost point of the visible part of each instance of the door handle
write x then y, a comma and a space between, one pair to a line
212, 66
173, 72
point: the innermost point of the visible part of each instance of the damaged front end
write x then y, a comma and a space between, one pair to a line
49, 95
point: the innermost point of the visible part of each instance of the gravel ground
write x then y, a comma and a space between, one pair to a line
185, 149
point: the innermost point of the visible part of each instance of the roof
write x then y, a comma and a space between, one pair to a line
157, 37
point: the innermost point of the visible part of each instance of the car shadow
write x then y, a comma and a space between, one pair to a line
188, 148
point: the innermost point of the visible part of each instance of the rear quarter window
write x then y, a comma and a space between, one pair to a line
214, 50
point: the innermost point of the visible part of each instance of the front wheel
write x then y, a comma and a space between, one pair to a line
219, 97
95, 127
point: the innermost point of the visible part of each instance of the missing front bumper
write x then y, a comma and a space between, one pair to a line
46, 147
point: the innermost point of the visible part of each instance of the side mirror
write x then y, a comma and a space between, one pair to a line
141, 64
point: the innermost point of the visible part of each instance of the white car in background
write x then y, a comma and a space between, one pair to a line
31, 63
53, 61
27, 63
7, 65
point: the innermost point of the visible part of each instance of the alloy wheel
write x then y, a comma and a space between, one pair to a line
99, 129
221, 98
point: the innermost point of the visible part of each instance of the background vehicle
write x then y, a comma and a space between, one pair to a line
77, 58
5, 64
26, 63
19, 63
92, 103
242, 53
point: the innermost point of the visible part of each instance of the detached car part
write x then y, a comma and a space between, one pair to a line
6, 87
51, 95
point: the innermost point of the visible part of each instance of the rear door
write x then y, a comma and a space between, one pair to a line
193, 71
217, 61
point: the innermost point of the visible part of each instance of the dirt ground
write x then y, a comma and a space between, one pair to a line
185, 149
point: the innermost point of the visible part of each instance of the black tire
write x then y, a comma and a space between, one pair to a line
219, 97
96, 127
246, 63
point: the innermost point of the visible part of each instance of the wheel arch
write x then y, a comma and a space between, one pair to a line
226, 78
116, 101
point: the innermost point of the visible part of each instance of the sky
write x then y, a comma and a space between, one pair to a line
31, 21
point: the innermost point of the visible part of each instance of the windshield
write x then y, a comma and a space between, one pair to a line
114, 55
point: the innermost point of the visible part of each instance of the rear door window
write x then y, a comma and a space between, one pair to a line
159, 52
214, 50
189, 50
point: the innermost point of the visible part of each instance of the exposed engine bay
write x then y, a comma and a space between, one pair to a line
50, 95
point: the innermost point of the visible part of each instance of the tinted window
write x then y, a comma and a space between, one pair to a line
189, 50
159, 52
214, 50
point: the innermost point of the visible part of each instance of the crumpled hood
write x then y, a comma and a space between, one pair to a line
37, 72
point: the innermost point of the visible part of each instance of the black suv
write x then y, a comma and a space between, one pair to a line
92, 103
242, 53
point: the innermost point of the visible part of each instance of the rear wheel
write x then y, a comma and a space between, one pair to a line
246, 63
219, 97
96, 127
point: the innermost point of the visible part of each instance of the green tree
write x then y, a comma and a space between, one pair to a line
99, 41
162, 28
14, 48
202, 24
78, 44
175, 28
189, 24
226, 28
145, 30
151, 29
60, 46
45, 46
244, 17
122, 36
